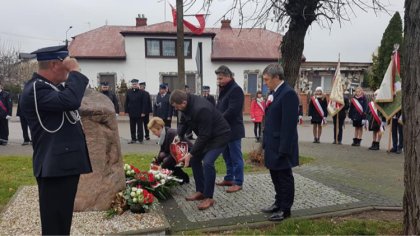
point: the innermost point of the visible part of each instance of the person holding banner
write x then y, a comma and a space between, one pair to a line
318, 112
357, 113
376, 123
341, 118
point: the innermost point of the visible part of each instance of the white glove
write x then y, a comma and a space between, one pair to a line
383, 124
300, 117
364, 122
325, 121
310, 117
8, 117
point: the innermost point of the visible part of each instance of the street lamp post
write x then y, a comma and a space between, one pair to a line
67, 41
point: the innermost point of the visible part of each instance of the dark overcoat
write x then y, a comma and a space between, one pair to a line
111, 95
231, 103
7, 103
205, 120
280, 140
64, 152
135, 103
316, 117
162, 107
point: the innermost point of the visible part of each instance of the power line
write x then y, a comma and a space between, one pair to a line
28, 36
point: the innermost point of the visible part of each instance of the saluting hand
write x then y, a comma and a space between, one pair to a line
71, 64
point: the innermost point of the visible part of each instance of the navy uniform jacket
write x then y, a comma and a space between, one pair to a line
316, 117
135, 103
111, 95
280, 140
65, 152
211, 99
211, 128
162, 107
230, 104
354, 114
148, 103
7, 103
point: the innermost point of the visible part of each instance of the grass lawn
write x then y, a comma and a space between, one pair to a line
17, 171
319, 227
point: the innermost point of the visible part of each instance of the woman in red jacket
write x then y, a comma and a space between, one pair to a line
257, 114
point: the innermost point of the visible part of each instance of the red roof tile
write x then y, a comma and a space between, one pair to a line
228, 44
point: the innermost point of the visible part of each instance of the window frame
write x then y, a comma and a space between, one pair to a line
188, 56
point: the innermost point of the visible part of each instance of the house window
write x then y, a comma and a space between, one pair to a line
166, 48
252, 83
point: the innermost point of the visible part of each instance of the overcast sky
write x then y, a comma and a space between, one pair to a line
29, 24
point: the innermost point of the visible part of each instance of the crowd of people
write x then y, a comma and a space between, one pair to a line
60, 156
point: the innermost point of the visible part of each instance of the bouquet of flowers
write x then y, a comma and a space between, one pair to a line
158, 181
138, 199
130, 171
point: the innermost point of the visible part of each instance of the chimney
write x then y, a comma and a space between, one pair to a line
226, 24
141, 21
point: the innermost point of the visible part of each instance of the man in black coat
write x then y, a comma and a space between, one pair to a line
280, 140
136, 106
342, 114
230, 104
6, 106
206, 95
111, 95
60, 151
162, 107
213, 134
147, 111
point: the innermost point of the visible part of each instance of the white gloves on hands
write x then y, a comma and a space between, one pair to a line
8, 117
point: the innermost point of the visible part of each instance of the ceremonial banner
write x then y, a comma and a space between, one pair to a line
390, 105
336, 102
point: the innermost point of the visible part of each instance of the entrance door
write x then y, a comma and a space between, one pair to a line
111, 78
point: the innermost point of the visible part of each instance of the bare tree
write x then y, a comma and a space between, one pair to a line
9, 56
297, 15
411, 115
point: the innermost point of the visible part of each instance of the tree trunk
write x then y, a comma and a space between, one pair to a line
302, 14
292, 50
411, 114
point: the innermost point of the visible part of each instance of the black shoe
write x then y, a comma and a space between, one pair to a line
3, 143
279, 216
132, 141
399, 151
141, 142
26, 143
334, 142
147, 138
393, 150
271, 209
339, 143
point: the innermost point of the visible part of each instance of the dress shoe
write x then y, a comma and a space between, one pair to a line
399, 151
195, 197
271, 209
147, 138
225, 183
132, 141
206, 203
233, 188
26, 143
279, 216
393, 150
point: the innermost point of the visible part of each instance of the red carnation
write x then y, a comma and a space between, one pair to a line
151, 177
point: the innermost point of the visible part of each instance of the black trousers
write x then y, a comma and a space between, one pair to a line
136, 124
284, 185
4, 130
167, 122
146, 120
56, 202
340, 127
25, 128
257, 129
397, 134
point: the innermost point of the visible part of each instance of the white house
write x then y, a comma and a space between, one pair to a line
148, 53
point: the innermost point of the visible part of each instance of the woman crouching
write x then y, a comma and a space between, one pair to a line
166, 136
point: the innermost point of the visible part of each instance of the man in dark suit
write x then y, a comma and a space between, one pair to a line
24, 125
280, 140
162, 107
147, 111
206, 95
342, 114
111, 95
6, 106
135, 106
230, 103
60, 151
213, 134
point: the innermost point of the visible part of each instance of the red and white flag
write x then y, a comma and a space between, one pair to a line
196, 30
336, 102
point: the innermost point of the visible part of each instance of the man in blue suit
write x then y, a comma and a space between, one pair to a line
60, 151
280, 141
